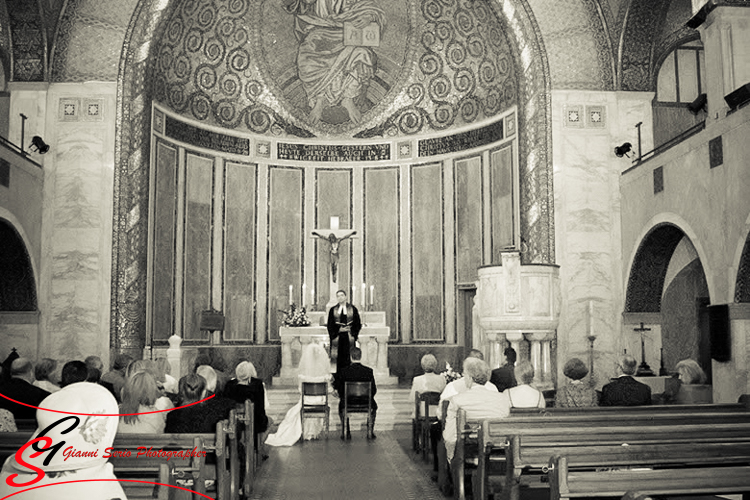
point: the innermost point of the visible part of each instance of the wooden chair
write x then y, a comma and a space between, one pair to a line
315, 406
355, 394
425, 408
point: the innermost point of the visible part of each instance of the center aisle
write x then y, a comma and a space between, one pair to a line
333, 469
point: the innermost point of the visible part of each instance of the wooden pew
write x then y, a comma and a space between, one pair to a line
620, 410
678, 469
247, 454
221, 447
528, 442
466, 455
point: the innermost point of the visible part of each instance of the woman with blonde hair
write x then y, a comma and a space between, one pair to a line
524, 395
139, 397
693, 388
314, 366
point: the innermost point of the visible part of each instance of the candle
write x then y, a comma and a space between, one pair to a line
291, 300
372, 294
591, 317
364, 294
312, 296
304, 292
334, 223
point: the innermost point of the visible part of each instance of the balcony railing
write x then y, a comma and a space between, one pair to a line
667, 145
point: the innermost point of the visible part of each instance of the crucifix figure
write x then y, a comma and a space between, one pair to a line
334, 236
643, 369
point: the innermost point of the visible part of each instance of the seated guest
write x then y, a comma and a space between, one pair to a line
74, 371
43, 372
575, 394
477, 400
429, 382
219, 369
625, 390
693, 388
139, 396
504, 377
116, 378
95, 368
523, 395
21, 388
459, 385
201, 417
247, 386
356, 372
83, 475
140, 365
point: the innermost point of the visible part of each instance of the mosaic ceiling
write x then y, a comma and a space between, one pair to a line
413, 67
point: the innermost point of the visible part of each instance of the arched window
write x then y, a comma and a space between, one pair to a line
17, 287
681, 79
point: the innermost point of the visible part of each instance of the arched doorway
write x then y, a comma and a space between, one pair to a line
667, 277
17, 285
742, 285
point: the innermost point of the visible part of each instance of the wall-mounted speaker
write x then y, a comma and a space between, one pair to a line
738, 97
718, 326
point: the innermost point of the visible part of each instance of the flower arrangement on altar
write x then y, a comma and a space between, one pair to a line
295, 316
449, 374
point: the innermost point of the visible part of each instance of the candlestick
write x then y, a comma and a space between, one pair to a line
304, 292
364, 294
291, 289
372, 294
334, 222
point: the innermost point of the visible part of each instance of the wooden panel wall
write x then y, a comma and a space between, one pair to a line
239, 258
427, 252
286, 191
468, 223
334, 199
197, 254
164, 226
381, 242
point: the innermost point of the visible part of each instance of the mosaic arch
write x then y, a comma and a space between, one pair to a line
649, 269
135, 94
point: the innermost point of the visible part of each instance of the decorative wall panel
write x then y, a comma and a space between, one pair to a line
427, 252
334, 199
164, 226
197, 255
469, 223
285, 197
239, 252
502, 212
382, 249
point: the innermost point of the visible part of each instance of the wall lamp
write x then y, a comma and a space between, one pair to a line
38, 145
623, 150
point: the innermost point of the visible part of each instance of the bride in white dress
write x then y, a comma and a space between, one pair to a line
314, 366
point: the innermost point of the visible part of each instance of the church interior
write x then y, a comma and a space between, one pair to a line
569, 178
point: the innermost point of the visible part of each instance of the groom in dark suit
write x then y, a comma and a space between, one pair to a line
625, 390
356, 372
343, 322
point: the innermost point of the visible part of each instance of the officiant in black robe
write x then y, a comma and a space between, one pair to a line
343, 328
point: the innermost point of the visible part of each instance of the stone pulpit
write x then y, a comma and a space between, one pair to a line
373, 340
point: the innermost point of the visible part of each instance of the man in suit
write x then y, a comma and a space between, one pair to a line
20, 387
343, 321
625, 390
356, 372
504, 377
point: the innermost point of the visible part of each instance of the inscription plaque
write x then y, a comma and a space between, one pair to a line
205, 138
333, 152
459, 142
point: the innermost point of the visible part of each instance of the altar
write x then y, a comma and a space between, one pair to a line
373, 340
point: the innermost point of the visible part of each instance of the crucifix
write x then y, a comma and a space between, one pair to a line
334, 236
643, 369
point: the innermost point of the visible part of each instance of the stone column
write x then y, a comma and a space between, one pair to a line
515, 339
174, 355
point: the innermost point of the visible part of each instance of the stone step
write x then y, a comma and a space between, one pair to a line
394, 408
